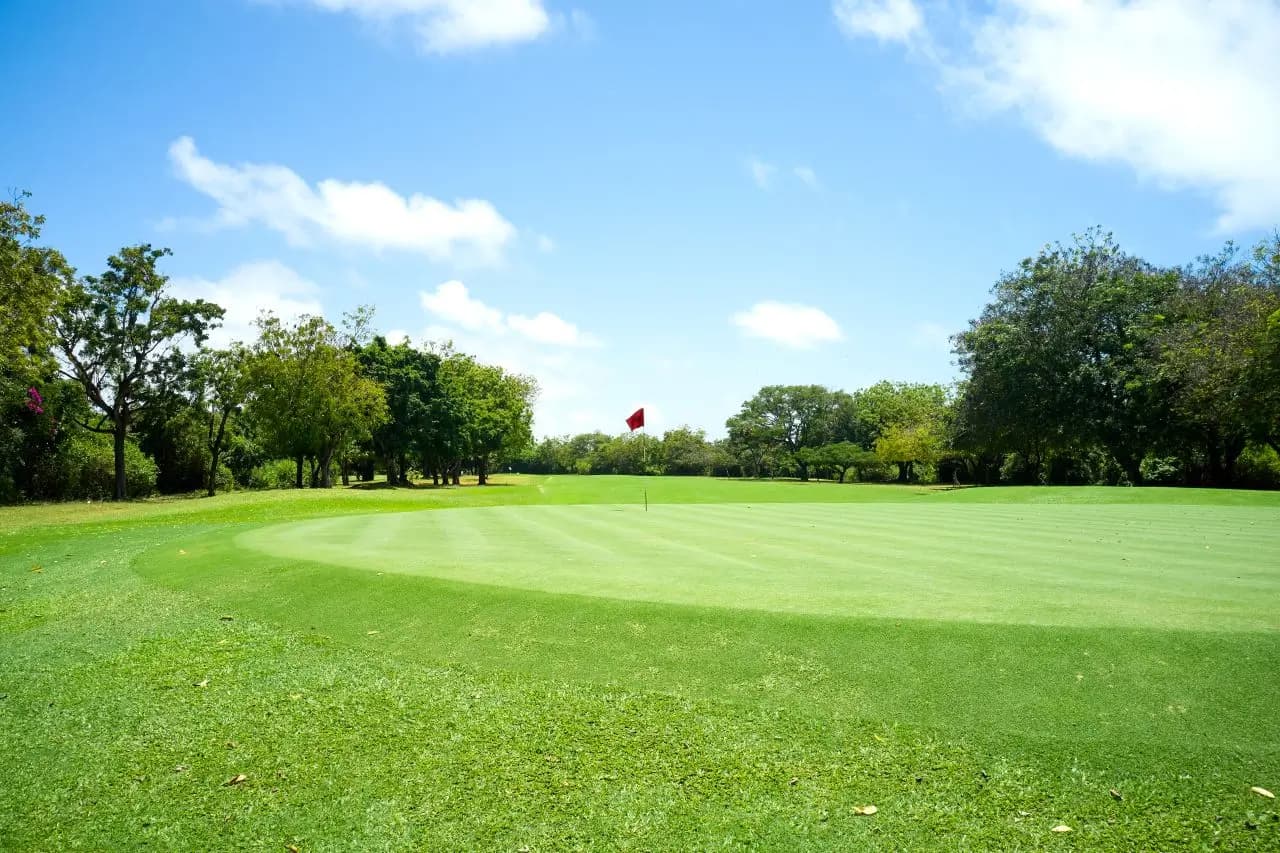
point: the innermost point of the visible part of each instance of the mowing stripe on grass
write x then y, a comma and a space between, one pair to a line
1214, 568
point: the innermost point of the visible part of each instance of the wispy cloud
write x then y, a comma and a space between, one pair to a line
761, 172
366, 214
807, 176
452, 26
886, 20
794, 326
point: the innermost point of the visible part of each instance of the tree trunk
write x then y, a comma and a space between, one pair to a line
457, 474
404, 470
346, 471
122, 483
904, 469
297, 480
482, 470
1231, 453
215, 451
804, 471
326, 469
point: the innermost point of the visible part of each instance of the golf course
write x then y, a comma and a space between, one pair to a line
565, 662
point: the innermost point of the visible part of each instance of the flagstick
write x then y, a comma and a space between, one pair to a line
644, 464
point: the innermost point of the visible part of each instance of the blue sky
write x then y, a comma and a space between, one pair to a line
659, 204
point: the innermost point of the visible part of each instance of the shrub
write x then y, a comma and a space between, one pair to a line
276, 474
84, 469
1258, 468
1161, 470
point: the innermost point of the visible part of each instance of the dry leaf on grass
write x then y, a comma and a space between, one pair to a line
1263, 792
225, 618
865, 810
1062, 827
370, 633
1117, 794
236, 779
292, 848
204, 683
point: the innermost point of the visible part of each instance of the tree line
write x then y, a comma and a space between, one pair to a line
108, 389
1088, 365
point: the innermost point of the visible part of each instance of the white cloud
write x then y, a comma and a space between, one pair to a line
1186, 93
886, 20
547, 328
246, 292
395, 337
761, 172
807, 176
541, 346
450, 26
795, 326
452, 303
367, 214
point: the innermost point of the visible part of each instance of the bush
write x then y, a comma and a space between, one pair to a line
1161, 471
276, 474
84, 469
1258, 468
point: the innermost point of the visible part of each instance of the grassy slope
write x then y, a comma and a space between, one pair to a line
486, 717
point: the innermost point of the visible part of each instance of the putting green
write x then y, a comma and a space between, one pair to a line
1191, 567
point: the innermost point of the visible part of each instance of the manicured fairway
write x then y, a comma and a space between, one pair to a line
546, 665
1137, 566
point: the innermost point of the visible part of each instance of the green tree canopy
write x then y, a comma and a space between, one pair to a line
118, 335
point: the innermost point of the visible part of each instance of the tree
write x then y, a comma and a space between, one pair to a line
1059, 360
497, 410
309, 397
410, 378
790, 417
685, 451
905, 423
119, 334
223, 383
840, 456
909, 444
31, 279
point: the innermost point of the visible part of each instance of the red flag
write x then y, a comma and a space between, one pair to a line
637, 419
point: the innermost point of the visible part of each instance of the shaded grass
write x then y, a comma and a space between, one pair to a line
485, 718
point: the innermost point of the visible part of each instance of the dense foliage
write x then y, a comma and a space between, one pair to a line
1089, 365
106, 390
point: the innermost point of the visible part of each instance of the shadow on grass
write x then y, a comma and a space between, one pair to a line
383, 485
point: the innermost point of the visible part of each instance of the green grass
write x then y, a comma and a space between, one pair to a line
543, 664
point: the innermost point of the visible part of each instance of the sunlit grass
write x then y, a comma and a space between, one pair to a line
374, 704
